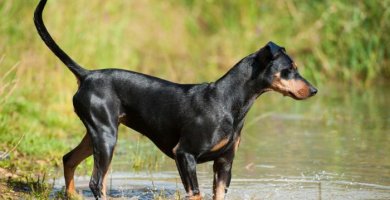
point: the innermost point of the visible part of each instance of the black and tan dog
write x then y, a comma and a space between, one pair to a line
190, 123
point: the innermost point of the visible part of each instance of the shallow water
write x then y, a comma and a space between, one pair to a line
333, 146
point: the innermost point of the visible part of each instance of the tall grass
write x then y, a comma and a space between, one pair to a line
184, 41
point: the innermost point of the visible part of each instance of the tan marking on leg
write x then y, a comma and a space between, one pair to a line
237, 144
175, 148
191, 196
219, 192
104, 188
190, 193
82, 151
220, 144
195, 197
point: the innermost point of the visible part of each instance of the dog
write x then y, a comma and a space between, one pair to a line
190, 123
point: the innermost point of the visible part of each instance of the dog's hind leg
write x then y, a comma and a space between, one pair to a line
104, 188
72, 159
104, 140
101, 121
104, 185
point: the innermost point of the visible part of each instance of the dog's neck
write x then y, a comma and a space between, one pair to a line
239, 88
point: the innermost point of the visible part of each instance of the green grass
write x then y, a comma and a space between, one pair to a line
187, 41
27, 187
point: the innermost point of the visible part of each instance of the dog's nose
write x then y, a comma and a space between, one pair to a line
313, 91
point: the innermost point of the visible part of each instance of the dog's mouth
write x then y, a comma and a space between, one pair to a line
292, 95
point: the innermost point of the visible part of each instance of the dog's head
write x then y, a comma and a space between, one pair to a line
281, 73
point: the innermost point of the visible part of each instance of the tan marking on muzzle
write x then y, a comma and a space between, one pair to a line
298, 88
280, 85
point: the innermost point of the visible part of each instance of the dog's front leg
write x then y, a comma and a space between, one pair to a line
186, 164
222, 175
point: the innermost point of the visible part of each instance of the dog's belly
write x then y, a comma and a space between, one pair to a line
164, 140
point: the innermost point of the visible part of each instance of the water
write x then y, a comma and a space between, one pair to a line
333, 146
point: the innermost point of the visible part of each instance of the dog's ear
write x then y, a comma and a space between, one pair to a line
273, 49
266, 53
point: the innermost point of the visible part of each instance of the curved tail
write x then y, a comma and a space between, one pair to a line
71, 64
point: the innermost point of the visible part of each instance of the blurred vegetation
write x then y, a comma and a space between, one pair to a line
185, 41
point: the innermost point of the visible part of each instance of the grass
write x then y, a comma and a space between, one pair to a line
186, 41
25, 187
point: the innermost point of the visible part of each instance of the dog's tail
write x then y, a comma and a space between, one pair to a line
77, 70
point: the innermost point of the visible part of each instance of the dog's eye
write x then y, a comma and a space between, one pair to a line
285, 73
